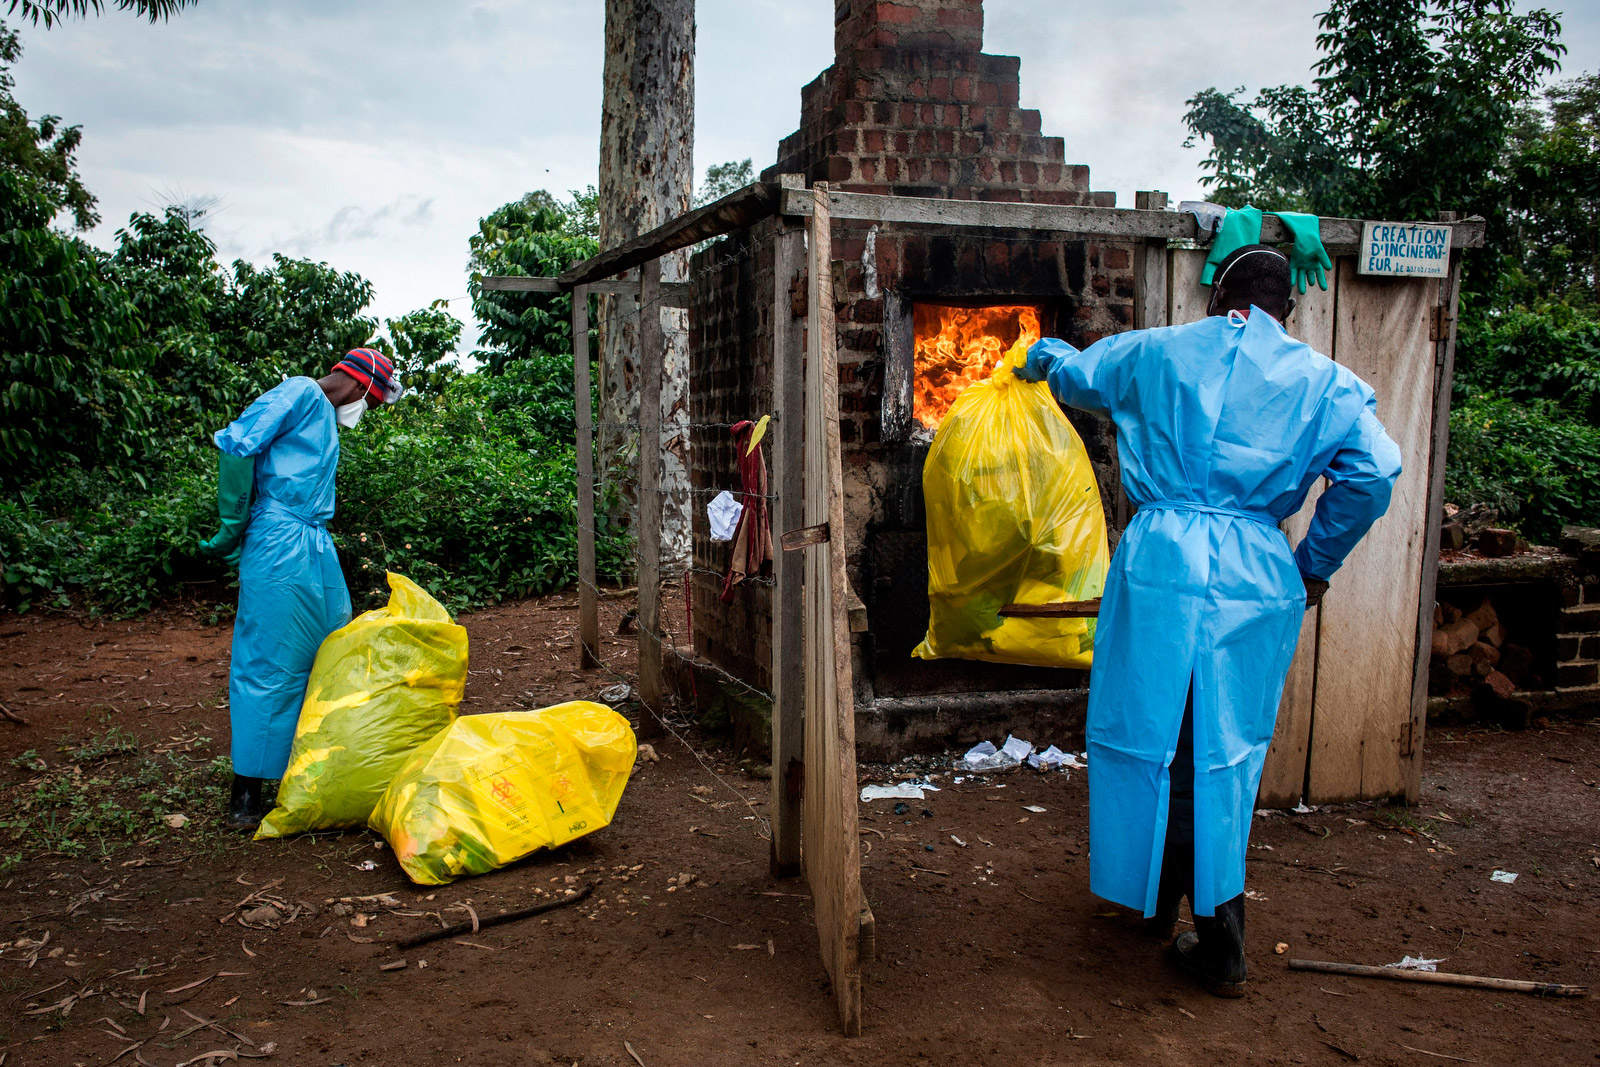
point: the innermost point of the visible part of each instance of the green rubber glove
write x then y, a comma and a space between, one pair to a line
236, 480
1307, 259
1239, 228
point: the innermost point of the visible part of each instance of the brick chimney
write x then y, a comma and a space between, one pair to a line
913, 106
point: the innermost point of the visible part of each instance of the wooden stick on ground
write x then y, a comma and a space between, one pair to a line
508, 917
1472, 981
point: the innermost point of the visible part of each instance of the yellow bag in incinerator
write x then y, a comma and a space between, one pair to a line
1014, 517
494, 788
381, 685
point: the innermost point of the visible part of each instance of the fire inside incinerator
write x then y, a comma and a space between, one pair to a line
956, 346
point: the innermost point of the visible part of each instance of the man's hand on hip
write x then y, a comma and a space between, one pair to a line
1315, 589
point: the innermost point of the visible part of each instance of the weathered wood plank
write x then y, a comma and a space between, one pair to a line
1283, 777
673, 294
788, 472
1338, 235
1077, 609
651, 342
832, 847
734, 211
1367, 646
1450, 299
583, 407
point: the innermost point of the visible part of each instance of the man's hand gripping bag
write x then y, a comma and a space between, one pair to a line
494, 788
1014, 517
381, 685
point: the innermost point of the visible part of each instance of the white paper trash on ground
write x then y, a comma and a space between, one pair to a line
899, 791
724, 512
1508, 877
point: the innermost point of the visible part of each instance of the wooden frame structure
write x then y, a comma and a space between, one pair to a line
1325, 731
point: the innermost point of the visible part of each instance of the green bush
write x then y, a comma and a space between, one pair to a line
1527, 458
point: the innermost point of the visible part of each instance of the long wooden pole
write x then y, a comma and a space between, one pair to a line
649, 526
1471, 981
588, 600
788, 623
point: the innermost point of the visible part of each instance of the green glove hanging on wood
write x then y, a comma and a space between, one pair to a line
236, 481
1307, 259
1239, 228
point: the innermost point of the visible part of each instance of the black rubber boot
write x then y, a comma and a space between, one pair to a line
1177, 874
248, 803
1214, 953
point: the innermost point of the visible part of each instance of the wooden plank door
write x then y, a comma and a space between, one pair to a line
1366, 648
1283, 778
830, 840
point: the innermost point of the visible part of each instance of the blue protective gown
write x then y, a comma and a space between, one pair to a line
291, 591
1223, 426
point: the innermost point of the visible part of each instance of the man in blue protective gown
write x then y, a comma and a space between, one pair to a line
282, 453
1223, 426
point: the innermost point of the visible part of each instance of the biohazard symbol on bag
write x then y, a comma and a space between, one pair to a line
1014, 517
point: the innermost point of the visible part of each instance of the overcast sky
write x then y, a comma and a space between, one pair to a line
373, 135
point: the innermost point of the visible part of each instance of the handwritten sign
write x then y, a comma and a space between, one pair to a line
1404, 249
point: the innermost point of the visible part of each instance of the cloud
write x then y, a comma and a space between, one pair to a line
353, 223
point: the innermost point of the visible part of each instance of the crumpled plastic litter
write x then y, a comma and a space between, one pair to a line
617, 694
1508, 877
723, 513
1053, 758
901, 791
985, 757
1416, 963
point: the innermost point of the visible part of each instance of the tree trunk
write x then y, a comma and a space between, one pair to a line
646, 178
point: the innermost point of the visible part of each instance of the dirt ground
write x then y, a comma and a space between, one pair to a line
989, 953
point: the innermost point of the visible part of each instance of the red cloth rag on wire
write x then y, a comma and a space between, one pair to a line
752, 538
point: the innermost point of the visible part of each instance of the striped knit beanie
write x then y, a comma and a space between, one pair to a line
372, 369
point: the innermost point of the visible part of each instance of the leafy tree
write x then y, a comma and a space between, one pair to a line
421, 343
722, 179
51, 12
294, 317
1551, 192
43, 150
76, 390
1411, 113
536, 236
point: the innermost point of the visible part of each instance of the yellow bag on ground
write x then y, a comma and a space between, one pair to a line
1014, 517
494, 788
381, 685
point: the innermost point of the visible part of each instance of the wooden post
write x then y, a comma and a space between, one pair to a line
788, 467
1444, 336
649, 527
588, 601
832, 847
1149, 309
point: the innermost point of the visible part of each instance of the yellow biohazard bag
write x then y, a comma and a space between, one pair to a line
381, 685
494, 788
1014, 517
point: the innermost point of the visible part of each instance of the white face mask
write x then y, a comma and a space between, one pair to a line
347, 415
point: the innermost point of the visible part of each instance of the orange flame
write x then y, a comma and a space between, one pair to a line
956, 346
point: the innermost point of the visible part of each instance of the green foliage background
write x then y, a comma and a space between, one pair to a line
1422, 106
119, 366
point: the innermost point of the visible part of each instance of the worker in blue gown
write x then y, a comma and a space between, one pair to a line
1223, 426
275, 495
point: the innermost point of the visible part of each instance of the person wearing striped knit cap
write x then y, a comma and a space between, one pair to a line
275, 495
